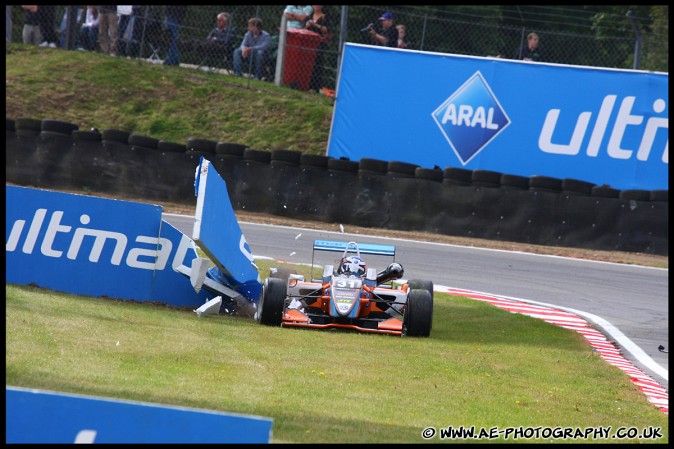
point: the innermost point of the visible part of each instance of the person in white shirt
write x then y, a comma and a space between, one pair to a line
89, 30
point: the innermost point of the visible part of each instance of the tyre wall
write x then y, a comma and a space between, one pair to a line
536, 210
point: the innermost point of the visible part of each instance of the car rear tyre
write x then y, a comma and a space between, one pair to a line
418, 314
270, 306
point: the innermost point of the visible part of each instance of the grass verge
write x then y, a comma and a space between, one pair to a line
481, 367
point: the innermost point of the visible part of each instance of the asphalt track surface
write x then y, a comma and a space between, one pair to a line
628, 303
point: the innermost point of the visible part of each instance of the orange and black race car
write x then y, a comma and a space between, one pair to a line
351, 296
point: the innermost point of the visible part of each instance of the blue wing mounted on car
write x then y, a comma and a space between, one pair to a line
365, 248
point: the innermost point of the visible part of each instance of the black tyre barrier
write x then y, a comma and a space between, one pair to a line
112, 146
96, 170
58, 126
545, 183
251, 154
576, 186
401, 169
635, 194
309, 195
10, 125
172, 179
138, 163
660, 195
430, 174
537, 217
342, 165
285, 193
53, 134
171, 147
116, 135
605, 191
138, 140
456, 176
230, 149
314, 160
373, 165
54, 158
91, 136
27, 132
20, 153
193, 155
282, 156
142, 148
203, 145
485, 178
255, 188
514, 182
28, 124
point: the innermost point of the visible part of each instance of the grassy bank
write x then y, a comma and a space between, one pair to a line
169, 103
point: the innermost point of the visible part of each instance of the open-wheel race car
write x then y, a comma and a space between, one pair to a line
350, 296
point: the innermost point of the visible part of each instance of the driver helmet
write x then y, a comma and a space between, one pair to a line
353, 265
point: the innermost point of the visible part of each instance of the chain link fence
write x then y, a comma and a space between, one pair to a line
476, 31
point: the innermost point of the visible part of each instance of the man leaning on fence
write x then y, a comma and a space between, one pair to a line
530, 50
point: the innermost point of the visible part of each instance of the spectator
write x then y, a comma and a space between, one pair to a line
219, 41
255, 45
124, 13
402, 40
63, 29
8, 24
530, 51
47, 17
174, 17
389, 34
127, 42
318, 22
297, 15
108, 29
89, 30
32, 35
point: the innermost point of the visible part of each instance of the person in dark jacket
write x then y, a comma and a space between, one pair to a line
47, 17
389, 33
530, 51
174, 15
31, 25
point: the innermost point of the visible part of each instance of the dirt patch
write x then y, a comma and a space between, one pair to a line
257, 217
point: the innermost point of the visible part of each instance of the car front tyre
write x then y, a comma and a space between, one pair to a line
418, 318
270, 305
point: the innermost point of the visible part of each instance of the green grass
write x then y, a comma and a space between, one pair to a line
481, 366
168, 103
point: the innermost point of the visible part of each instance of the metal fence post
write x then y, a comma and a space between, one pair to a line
637, 43
342, 38
281, 53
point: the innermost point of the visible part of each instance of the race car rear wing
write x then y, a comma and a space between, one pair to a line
353, 247
365, 248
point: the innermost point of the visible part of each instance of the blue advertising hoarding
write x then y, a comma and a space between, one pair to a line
599, 125
39, 416
218, 234
96, 247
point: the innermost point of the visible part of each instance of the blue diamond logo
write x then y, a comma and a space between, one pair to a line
471, 118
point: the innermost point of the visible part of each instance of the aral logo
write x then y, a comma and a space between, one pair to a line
471, 118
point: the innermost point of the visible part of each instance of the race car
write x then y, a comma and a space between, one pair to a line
351, 296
